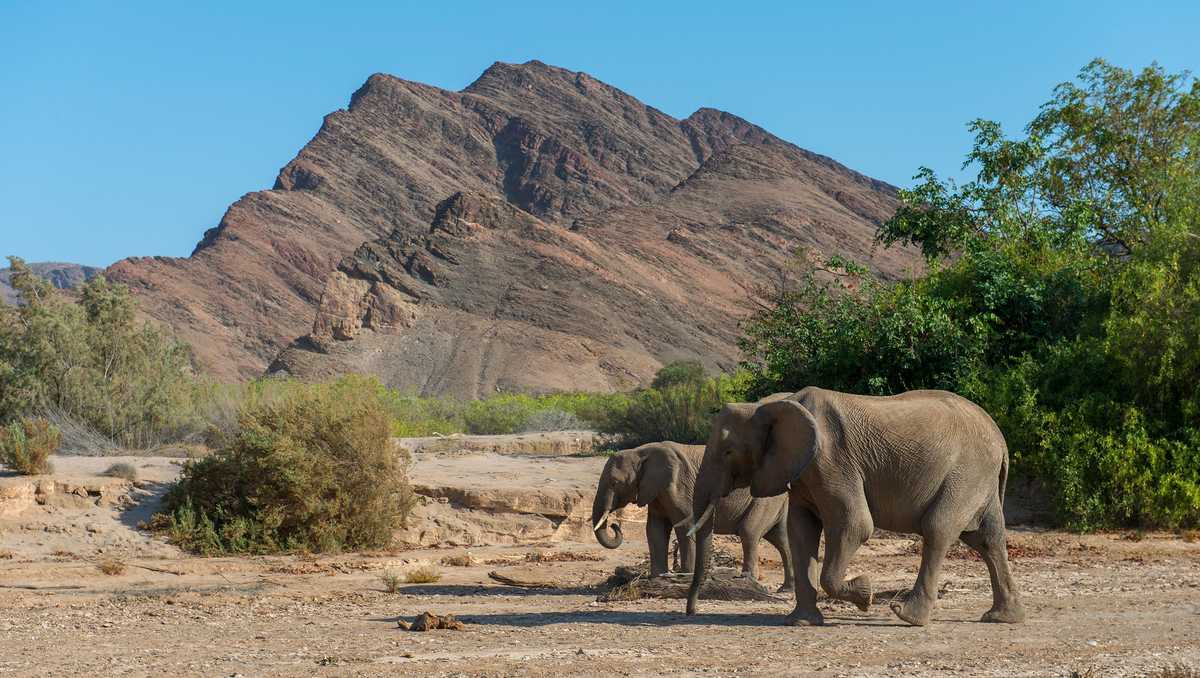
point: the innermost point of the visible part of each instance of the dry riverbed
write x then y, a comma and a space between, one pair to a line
1110, 604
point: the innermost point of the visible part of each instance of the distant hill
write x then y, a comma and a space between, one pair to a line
537, 230
62, 276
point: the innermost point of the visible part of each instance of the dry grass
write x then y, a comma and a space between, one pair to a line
111, 566
122, 470
391, 581
561, 557
423, 574
461, 560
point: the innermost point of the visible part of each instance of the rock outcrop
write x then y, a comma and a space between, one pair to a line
538, 230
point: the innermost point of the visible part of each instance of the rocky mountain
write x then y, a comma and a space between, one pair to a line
537, 230
63, 276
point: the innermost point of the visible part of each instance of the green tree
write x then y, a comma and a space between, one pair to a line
92, 361
1063, 295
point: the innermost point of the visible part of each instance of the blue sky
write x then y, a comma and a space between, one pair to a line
128, 128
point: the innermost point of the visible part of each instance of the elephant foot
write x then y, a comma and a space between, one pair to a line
912, 609
691, 607
1005, 614
800, 617
860, 592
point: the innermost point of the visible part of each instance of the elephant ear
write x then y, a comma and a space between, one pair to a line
656, 474
789, 441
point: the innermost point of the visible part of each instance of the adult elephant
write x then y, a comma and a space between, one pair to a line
661, 477
925, 462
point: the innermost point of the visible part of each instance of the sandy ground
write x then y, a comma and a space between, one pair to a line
1109, 604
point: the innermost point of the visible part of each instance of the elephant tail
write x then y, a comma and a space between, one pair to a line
1003, 478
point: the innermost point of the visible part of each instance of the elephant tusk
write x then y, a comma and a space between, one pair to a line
686, 520
602, 522
703, 519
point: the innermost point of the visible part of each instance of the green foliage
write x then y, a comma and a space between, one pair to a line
681, 412
313, 470
26, 446
678, 372
92, 361
414, 416
1063, 295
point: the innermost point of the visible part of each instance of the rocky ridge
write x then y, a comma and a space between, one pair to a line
537, 230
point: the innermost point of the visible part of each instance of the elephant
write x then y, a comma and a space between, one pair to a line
926, 462
660, 476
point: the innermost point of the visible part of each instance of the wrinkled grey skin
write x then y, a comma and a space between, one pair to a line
660, 476
925, 462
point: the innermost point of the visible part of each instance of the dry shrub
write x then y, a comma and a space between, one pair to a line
313, 471
423, 574
561, 557
122, 470
111, 566
461, 560
26, 446
391, 581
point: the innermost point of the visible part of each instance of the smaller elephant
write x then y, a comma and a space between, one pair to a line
661, 477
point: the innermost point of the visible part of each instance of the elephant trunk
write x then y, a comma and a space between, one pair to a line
700, 571
601, 522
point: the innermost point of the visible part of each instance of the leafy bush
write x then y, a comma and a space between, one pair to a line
314, 471
414, 416
678, 372
682, 413
26, 446
94, 362
1063, 295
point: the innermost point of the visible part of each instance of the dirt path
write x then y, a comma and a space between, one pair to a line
1104, 603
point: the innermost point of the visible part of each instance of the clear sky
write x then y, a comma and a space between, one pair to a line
127, 128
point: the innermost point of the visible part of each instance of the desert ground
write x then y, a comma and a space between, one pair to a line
1100, 604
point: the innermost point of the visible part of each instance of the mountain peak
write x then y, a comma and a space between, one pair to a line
537, 230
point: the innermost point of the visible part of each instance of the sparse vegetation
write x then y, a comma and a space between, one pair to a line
312, 471
26, 446
391, 581
423, 574
111, 566
460, 560
123, 470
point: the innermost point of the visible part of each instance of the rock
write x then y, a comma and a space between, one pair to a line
520, 500
427, 621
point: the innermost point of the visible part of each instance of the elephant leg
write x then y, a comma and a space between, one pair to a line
749, 555
990, 542
658, 536
777, 536
841, 542
804, 538
687, 550
917, 607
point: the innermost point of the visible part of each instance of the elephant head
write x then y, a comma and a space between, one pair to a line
636, 476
